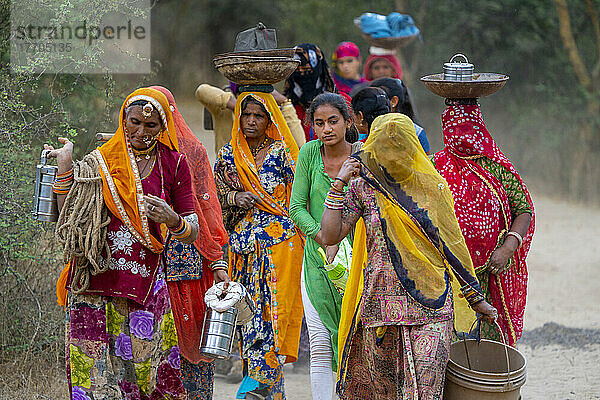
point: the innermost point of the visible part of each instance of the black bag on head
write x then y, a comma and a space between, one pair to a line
257, 38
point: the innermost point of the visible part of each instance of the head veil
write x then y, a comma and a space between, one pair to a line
423, 234
483, 222
244, 161
122, 187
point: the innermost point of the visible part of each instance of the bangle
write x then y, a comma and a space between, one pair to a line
183, 229
231, 198
472, 295
63, 182
334, 200
287, 103
337, 178
219, 265
517, 236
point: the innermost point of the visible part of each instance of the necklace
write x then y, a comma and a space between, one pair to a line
143, 174
261, 146
144, 152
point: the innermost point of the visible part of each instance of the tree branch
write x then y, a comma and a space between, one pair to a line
568, 40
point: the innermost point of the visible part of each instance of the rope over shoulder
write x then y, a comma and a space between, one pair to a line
83, 223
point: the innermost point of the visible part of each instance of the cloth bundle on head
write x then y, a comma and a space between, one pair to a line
311, 78
394, 25
482, 220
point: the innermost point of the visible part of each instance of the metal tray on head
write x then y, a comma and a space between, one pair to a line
287, 53
483, 84
253, 70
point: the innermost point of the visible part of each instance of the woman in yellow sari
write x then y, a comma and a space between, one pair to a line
254, 175
411, 274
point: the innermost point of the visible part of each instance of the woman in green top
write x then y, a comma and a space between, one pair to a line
318, 165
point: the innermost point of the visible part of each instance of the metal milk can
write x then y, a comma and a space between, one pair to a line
458, 71
45, 205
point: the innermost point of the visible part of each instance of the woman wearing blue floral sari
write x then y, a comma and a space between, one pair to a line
254, 175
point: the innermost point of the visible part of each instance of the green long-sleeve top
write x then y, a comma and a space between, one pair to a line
311, 184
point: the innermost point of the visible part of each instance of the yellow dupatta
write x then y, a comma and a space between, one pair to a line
393, 155
121, 182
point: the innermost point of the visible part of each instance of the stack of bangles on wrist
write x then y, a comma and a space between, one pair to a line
472, 295
63, 182
219, 265
182, 230
231, 198
334, 199
516, 236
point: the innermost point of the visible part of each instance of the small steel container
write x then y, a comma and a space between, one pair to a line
218, 333
458, 71
45, 205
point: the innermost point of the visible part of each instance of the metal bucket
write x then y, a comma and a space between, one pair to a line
458, 71
218, 333
484, 370
45, 205
246, 308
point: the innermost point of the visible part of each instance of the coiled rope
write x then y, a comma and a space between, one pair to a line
83, 223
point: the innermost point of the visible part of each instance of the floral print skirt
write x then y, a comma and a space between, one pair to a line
407, 363
119, 349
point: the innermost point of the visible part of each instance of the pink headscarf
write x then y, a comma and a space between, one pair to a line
346, 49
389, 58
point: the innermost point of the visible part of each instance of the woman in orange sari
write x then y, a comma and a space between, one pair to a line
254, 175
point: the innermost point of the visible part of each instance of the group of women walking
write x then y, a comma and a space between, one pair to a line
428, 242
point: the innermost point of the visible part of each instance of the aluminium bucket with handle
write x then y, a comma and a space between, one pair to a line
484, 370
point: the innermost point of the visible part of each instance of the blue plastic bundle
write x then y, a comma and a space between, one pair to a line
394, 25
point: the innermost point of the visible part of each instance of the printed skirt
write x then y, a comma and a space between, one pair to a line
118, 349
406, 362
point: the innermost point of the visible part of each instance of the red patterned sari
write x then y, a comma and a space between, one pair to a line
483, 210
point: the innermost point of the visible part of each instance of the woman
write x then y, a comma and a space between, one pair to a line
346, 67
254, 175
310, 79
382, 63
409, 264
190, 268
121, 340
400, 101
494, 209
318, 164
368, 104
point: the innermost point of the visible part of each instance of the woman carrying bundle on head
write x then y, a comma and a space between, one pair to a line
494, 209
318, 164
411, 274
121, 340
254, 175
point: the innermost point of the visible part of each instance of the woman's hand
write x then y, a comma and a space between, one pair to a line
246, 199
350, 168
279, 98
486, 310
63, 155
159, 211
220, 275
500, 258
330, 252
